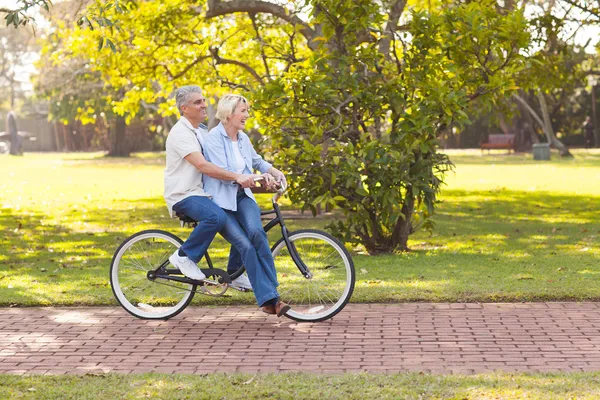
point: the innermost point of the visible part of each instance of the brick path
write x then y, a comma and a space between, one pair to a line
439, 338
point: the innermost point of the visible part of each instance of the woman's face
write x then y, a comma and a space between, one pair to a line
239, 116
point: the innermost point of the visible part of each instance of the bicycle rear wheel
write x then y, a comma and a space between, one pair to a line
330, 287
141, 295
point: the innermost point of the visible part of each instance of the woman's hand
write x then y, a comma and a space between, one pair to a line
270, 181
278, 175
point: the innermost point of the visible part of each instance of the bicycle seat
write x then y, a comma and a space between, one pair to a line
184, 219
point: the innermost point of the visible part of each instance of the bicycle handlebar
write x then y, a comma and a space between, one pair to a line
282, 188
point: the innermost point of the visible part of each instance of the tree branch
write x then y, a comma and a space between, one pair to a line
393, 16
531, 111
261, 42
187, 68
218, 8
582, 8
218, 60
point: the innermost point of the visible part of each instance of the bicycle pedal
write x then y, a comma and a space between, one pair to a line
240, 289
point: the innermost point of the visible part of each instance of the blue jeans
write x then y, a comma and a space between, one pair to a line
243, 229
211, 219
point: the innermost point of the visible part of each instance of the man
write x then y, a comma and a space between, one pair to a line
184, 191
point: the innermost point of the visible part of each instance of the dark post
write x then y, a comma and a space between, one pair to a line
595, 116
15, 139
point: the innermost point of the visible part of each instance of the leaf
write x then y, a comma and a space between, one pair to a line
111, 45
9, 18
100, 43
361, 190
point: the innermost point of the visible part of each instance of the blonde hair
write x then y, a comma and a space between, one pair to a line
227, 105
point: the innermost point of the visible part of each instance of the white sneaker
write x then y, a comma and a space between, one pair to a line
186, 266
242, 282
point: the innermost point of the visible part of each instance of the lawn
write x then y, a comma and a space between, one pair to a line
509, 229
305, 386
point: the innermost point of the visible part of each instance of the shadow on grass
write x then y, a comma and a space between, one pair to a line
582, 157
68, 263
104, 160
494, 246
488, 246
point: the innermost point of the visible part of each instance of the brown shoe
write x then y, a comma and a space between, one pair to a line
281, 308
269, 309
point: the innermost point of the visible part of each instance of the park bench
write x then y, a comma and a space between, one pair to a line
500, 141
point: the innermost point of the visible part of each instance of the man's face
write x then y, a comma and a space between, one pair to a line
195, 109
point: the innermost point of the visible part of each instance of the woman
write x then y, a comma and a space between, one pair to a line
228, 147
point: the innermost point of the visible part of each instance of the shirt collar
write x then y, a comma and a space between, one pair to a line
221, 129
187, 123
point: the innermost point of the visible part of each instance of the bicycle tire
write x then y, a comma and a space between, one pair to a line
329, 289
136, 293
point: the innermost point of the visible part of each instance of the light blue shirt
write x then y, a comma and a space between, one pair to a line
218, 149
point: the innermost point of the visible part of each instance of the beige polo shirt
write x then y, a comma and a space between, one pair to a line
182, 179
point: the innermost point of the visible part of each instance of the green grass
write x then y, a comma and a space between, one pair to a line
509, 229
305, 386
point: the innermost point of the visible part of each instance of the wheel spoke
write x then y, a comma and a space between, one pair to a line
332, 282
141, 296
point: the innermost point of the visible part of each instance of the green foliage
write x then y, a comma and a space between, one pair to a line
357, 129
353, 106
18, 16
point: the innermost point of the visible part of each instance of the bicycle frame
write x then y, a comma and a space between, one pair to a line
224, 277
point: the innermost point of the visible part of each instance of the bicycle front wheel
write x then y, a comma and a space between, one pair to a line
140, 294
329, 288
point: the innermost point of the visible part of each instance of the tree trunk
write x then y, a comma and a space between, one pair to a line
545, 124
404, 227
68, 143
552, 139
120, 145
56, 137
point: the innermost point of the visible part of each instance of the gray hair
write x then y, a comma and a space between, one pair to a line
228, 104
182, 95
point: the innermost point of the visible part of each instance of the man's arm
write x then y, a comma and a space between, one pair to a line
199, 162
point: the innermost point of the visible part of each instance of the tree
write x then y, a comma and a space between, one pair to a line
75, 91
16, 50
558, 69
18, 14
352, 101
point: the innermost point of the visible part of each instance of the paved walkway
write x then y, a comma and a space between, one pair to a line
439, 338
